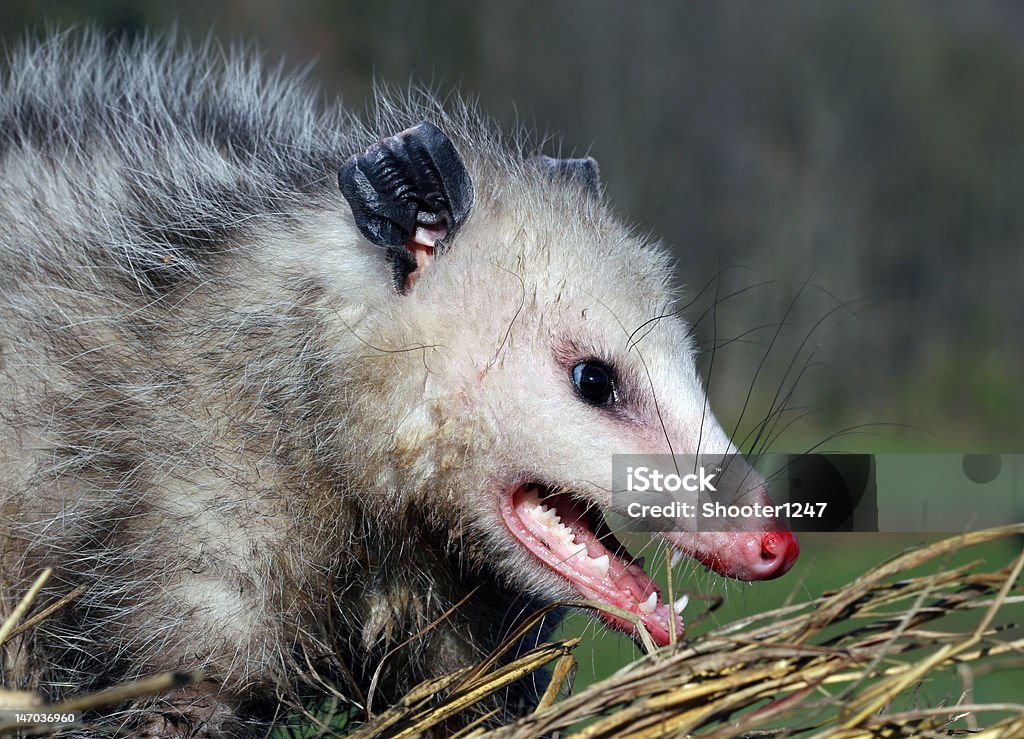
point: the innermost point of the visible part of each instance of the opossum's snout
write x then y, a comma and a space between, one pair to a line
741, 555
572, 539
744, 549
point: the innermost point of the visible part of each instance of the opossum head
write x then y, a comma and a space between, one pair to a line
545, 341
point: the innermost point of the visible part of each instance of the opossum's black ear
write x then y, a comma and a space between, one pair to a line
583, 171
410, 187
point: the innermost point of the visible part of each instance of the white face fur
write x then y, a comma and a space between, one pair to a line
538, 283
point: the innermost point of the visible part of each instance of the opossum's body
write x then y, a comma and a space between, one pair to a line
236, 415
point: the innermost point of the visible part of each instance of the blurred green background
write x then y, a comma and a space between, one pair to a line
846, 180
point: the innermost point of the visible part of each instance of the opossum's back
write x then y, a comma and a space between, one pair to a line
130, 174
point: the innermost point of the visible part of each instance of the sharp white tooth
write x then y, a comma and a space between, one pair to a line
680, 604
677, 556
600, 565
577, 549
564, 535
650, 604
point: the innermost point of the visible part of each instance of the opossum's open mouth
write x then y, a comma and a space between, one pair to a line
574, 541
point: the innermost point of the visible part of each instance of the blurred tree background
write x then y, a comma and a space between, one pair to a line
854, 171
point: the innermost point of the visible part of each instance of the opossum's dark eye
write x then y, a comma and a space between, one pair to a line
594, 382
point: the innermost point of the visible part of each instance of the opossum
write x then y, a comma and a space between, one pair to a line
282, 388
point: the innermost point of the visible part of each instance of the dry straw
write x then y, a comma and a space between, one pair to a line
830, 667
837, 667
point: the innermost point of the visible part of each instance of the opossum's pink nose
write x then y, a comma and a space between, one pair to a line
779, 550
743, 555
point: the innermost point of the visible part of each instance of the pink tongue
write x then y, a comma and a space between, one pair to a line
556, 530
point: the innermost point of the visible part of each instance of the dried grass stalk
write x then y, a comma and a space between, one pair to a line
830, 667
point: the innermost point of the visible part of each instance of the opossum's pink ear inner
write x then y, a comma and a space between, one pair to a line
408, 192
583, 172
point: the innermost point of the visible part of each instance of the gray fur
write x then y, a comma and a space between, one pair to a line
217, 413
